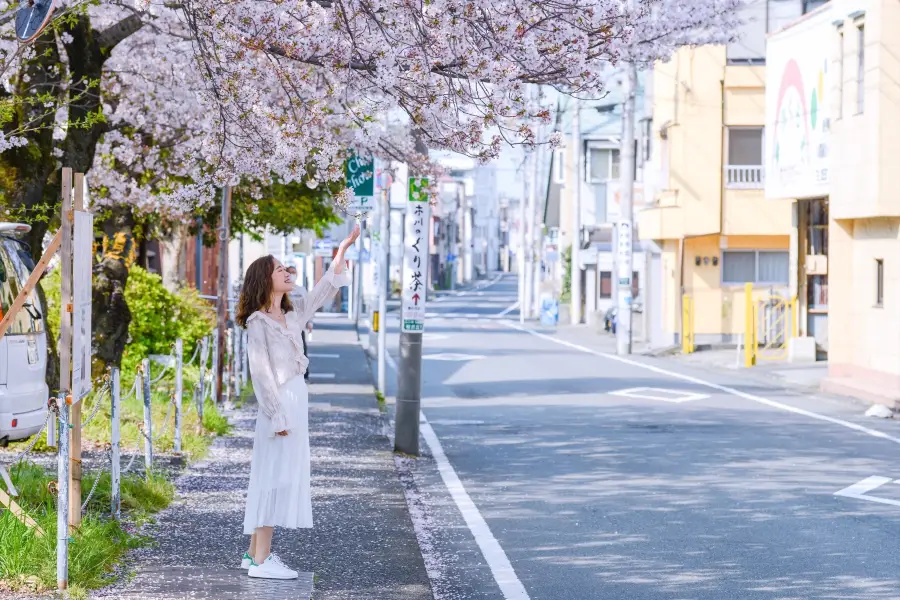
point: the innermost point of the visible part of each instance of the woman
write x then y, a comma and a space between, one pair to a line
279, 494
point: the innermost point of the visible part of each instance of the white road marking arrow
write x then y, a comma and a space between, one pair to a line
861, 489
661, 394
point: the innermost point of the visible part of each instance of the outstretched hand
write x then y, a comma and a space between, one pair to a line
350, 239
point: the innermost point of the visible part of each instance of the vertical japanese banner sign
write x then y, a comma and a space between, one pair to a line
82, 269
415, 257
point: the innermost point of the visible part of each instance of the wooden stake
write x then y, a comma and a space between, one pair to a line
19, 513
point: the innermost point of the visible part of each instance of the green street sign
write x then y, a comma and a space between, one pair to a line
418, 189
360, 175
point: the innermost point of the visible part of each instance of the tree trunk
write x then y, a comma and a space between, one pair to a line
173, 259
110, 314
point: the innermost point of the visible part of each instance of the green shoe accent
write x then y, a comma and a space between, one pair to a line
247, 555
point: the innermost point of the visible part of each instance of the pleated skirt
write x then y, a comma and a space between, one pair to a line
279, 492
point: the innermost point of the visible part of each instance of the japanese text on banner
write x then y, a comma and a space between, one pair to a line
415, 257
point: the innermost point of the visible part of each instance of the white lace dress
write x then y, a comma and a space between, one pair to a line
279, 492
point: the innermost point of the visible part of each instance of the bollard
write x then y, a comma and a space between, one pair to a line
115, 440
148, 416
179, 363
62, 498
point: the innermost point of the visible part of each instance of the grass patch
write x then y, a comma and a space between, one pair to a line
382, 405
28, 562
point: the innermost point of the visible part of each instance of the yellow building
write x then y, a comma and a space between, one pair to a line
710, 217
864, 219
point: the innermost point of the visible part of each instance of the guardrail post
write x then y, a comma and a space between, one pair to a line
115, 439
148, 415
179, 389
215, 366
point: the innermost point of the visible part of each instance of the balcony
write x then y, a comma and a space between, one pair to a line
745, 177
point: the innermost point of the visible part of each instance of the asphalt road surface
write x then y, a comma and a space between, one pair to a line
554, 470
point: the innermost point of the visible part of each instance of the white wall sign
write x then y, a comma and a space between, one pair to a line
800, 76
415, 258
82, 271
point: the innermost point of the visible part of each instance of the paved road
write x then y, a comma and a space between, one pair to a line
593, 489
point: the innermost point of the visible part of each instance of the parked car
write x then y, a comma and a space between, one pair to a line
23, 350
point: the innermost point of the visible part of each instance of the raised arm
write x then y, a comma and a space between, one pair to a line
265, 387
335, 278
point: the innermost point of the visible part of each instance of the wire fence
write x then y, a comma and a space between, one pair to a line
109, 395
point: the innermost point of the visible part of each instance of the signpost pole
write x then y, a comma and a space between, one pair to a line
384, 219
412, 317
65, 362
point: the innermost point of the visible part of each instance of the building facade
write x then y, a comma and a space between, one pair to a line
709, 214
864, 207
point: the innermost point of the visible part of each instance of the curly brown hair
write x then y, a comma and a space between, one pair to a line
256, 293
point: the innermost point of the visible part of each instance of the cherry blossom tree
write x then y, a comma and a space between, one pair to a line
164, 101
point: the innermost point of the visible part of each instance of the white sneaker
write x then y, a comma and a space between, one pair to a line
272, 568
246, 561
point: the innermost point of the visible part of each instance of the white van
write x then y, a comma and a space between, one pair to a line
23, 350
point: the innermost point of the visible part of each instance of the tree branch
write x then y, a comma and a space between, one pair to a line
110, 37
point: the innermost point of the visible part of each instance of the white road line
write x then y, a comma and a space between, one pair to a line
508, 310
493, 553
315, 375
714, 386
317, 355
496, 558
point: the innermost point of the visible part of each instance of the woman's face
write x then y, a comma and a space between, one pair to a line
281, 279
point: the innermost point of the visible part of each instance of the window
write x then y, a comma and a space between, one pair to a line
860, 68
811, 5
603, 164
745, 146
840, 91
879, 282
745, 158
605, 284
764, 267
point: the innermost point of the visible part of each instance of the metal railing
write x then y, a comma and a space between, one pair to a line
745, 177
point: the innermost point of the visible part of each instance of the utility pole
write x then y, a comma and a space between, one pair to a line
577, 172
222, 292
522, 262
412, 316
625, 228
538, 206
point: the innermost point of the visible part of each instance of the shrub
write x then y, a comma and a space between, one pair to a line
159, 317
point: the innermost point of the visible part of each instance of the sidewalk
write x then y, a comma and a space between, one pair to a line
363, 546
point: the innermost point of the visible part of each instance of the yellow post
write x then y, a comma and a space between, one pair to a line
687, 324
749, 326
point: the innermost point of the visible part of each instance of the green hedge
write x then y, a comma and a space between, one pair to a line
158, 316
